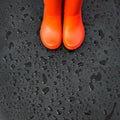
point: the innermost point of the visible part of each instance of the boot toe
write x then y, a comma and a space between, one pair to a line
50, 37
73, 39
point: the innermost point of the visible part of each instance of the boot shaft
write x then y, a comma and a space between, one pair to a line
53, 7
72, 7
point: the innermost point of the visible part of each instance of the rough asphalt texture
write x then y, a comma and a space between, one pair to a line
38, 84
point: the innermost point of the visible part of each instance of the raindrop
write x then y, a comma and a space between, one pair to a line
45, 90
28, 64
11, 45
8, 34
44, 78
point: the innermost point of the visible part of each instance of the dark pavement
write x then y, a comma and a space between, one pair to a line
38, 84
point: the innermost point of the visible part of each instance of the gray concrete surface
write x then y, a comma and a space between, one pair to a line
38, 84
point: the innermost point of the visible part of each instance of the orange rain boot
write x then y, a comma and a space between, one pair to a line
51, 29
73, 28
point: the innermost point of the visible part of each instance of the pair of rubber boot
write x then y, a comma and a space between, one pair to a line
52, 30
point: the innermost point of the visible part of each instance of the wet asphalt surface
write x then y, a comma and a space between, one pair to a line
38, 84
